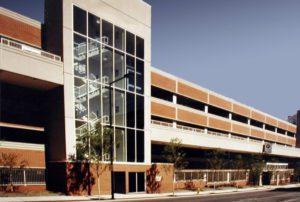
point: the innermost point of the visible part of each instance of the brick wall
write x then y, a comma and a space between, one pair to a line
33, 158
20, 31
77, 178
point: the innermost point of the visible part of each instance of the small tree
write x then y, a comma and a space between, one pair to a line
216, 161
238, 164
91, 144
256, 164
174, 154
296, 166
11, 161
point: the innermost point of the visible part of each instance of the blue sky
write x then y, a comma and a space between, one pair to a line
244, 49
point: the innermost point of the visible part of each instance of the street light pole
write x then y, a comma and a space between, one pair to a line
112, 136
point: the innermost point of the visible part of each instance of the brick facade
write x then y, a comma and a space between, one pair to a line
33, 158
76, 177
21, 31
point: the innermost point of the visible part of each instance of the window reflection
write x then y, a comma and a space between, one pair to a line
119, 69
105, 53
80, 89
94, 58
80, 56
119, 38
120, 108
130, 70
79, 20
130, 43
94, 101
107, 65
94, 27
105, 102
107, 33
120, 146
139, 76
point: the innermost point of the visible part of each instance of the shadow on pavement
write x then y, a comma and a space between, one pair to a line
294, 189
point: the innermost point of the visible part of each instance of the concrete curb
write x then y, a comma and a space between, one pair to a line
133, 197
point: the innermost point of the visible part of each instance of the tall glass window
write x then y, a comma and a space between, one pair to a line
140, 47
140, 142
107, 65
94, 27
94, 58
81, 129
79, 20
107, 33
105, 103
130, 102
120, 108
130, 70
80, 68
120, 146
119, 38
130, 145
140, 76
103, 53
130, 43
140, 112
119, 69
80, 89
94, 101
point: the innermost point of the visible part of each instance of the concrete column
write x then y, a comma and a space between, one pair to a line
260, 180
264, 126
206, 109
249, 121
174, 124
205, 130
277, 178
248, 139
174, 99
229, 135
230, 116
228, 177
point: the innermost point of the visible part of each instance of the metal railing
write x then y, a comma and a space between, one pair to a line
211, 176
161, 123
29, 49
21, 176
202, 131
197, 130
217, 134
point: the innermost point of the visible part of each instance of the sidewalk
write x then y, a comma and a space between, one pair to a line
138, 196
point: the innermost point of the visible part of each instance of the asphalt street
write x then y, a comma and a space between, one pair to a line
279, 195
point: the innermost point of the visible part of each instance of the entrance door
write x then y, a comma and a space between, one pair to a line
266, 178
137, 182
120, 186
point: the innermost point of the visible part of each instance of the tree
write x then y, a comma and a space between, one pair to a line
174, 154
238, 163
296, 166
11, 161
216, 161
256, 164
92, 145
